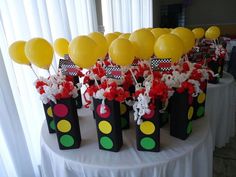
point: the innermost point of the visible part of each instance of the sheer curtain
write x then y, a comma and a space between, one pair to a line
126, 15
21, 109
14, 152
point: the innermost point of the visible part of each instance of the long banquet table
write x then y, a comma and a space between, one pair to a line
220, 109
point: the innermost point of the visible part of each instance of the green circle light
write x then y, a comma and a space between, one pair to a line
67, 140
147, 143
189, 128
106, 142
200, 111
52, 125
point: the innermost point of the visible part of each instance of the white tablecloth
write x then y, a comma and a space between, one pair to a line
230, 45
220, 109
177, 158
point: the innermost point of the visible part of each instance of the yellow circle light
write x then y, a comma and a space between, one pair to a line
201, 98
190, 112
147, 128
49, 111
123, 109
105, 127
64, 126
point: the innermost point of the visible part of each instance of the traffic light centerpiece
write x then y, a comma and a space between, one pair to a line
211, 55
147, 114
59, 91
67, 123
107, 98
185, 80
215, 61
210, 51
181, 115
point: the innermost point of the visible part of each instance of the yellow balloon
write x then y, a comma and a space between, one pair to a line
110, 37
121, 52
17, 52
82, 51
39, 52
198, 33
157, 32
125, 35
118, 33
187, 37
143, 41
169, 46
167, 30
212, 33
61, 46
101, 42
149, 29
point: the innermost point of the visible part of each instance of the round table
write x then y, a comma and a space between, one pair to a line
177, 158
220, 109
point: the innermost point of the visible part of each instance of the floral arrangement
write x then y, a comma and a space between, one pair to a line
56, 87
187, 76
148, 84
146, 95
207, 49
108, 89
96, 72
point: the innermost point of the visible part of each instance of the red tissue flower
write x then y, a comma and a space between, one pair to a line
185, 67
40, 84
186, 86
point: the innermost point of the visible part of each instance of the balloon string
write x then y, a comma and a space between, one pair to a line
215, 42
136, 82
88, 102
54, 69
110, 61
103, 63
186, 57
197, 41
205, 61
150, 68
93, 75
48, 72
99, 72
33, 71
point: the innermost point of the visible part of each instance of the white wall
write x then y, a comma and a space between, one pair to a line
211, 12
204, 12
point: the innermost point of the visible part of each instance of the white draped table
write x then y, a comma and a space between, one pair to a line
177, 158
220, 109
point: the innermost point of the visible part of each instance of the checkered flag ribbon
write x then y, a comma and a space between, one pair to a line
67, 57
68, 67
113, 72
161, 64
